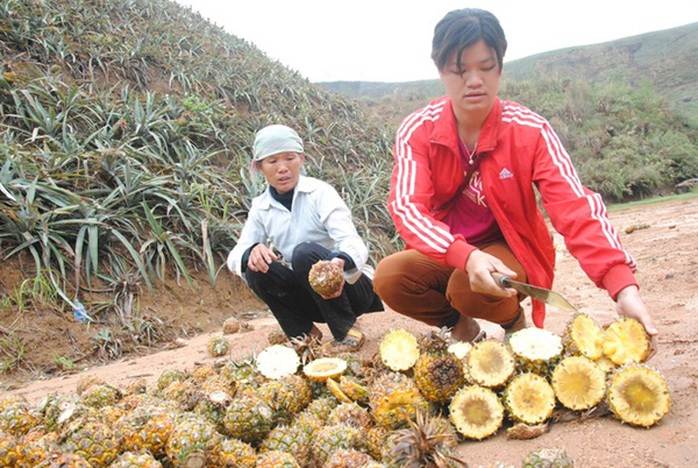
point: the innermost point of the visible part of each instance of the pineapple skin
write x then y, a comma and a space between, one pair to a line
325, 277
438, 376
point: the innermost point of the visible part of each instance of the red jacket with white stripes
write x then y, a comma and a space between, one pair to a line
521, 151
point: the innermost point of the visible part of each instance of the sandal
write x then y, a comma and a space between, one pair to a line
353, 340
481, 336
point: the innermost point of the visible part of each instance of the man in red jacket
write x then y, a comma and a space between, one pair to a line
463, 200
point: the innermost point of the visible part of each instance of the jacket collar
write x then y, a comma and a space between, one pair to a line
445, 130
305, 184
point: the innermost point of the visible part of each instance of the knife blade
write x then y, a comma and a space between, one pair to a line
534, 292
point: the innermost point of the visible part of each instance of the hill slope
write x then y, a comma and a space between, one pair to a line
668, 59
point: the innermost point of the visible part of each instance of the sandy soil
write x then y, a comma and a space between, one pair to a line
663, 238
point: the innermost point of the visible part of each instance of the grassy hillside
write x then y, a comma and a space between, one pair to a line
125, 134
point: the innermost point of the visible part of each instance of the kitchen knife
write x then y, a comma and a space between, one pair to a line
534, 292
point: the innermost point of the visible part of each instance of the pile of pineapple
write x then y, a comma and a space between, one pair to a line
296, 405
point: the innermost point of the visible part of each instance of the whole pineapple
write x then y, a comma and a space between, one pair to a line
94, 440
147, 428
218, 346
348, 458
193, 442
352, 415
17, 416
236, 453
325, 277
293, 439
276, 459
286, 396
248, 418
437, 372
136, 460
327, 439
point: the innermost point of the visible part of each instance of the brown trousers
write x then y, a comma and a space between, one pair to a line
417, 286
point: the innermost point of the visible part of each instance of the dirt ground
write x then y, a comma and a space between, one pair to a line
663, 238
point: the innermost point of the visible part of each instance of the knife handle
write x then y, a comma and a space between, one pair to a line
500, 279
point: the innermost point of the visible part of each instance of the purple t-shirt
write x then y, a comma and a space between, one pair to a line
469, 214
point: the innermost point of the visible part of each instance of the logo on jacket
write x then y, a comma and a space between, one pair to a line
505, 174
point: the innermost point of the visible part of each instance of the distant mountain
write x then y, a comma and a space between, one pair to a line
668, 59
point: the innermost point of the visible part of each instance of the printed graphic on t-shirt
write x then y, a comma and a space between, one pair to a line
474, 190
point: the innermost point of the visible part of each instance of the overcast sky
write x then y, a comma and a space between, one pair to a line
390, 40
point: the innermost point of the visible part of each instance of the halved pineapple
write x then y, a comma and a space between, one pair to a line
579, 383
476, 412
536, 350
491, 363
399, 350
529, 398
276, 361
638, 395
322, 369
626, 341
583, 336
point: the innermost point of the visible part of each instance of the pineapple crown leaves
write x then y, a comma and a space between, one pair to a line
424, 444
435, 341
308, 348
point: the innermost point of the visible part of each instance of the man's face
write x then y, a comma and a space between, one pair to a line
282, 170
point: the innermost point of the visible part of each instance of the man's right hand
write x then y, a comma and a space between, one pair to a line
260, 258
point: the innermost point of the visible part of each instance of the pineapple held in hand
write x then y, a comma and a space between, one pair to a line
325, 277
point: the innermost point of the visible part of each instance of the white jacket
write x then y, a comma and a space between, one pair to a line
318, 215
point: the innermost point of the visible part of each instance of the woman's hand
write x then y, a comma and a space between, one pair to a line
480, 266
260, 258
629, 304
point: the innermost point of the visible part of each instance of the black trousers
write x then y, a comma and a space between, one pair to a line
296, 306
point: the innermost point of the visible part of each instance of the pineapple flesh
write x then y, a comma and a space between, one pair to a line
536, 350
626, 341
491, 363
399, 350
638, 395
322, 369
583, 336
529, 398
476, 412
579, 383
277, 361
